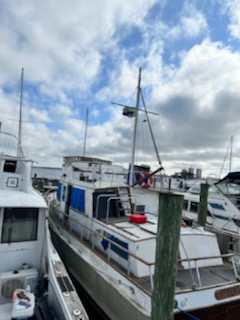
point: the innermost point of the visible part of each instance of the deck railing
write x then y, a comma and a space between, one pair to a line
150, 265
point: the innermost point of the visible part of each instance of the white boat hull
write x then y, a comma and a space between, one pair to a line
119, 298
106, 292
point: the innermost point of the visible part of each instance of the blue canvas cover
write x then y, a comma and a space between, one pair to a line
59, 191
77, 199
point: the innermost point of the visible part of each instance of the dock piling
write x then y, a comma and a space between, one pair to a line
202, 209
168, 235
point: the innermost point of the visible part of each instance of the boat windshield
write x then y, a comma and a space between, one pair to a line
213, 190
230, 188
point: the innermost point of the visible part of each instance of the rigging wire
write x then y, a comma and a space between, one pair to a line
136, 137
228, 148
110, 143
150, 128
140, 145
9, 144
143, 146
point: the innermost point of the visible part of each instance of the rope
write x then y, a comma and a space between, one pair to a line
188, 314
188, 261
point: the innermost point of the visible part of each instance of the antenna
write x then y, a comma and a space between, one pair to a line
19, 152
230, 156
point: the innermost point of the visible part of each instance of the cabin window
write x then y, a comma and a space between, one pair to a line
217, 206
10, 166
194, 207
64, 193
185, 205
59, 191
140, 208
19, 224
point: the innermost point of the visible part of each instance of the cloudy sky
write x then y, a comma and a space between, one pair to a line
80, 55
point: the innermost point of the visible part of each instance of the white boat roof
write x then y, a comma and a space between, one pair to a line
21, 199
148, 230
107, 184
196, 231
132, 231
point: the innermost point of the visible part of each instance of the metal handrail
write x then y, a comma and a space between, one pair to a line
106, 238
225, 255
102, 196
112, 196
151, 264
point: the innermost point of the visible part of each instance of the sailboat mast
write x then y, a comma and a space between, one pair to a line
135, 129
85, 136
230, 161
19, 152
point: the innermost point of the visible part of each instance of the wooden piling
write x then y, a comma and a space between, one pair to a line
168, 235
169, 184
202, 208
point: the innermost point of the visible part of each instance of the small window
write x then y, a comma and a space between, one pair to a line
194, 207
64, 193
140, 208
59, 189
19, 224
185, 205
10, 166
217, 206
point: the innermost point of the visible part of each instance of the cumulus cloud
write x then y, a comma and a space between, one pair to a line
40, 115
83, 57
58, 41
232, 8
192, 23
197, 107
61, 110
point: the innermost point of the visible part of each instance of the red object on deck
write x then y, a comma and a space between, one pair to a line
138, 218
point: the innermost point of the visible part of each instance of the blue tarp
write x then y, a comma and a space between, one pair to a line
117, 250
120, 252
77, 199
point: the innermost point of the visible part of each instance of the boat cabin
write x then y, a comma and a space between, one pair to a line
22, 238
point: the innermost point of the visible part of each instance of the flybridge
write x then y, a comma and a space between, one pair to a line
70, 159
15, 174
10, 166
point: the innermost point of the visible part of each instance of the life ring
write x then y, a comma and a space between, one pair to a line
145, 181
